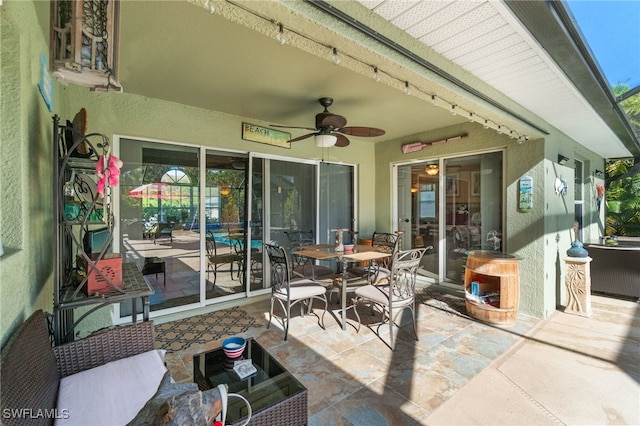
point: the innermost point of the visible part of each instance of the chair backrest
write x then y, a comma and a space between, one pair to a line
280, 267
386, 242
211, 244
212, 250
236, 239
300, 238
404, 272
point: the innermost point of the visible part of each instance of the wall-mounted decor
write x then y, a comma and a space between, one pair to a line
525, 196
45, 85
417, 146
475, 184
453, 185
84, 43
251, 132
561, 187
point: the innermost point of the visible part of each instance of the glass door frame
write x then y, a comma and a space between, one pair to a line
202, 152
395, 218
179, 146
442, 204
266, 231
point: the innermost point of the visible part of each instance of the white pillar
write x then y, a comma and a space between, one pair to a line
578, 283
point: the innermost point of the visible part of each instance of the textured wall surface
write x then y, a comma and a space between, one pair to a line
25, 159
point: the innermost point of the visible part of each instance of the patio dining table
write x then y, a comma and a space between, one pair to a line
360, 253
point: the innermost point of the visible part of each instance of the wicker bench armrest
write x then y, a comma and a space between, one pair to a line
93, 351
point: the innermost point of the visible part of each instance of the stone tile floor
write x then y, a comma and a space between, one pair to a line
354, 377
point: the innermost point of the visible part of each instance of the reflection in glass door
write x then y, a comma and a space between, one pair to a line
283, 199
473, 209
336, 209
159, 204
226, 243
456, 206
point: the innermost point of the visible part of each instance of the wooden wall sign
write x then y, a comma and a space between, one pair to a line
255, 133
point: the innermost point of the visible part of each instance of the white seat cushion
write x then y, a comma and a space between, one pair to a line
111, 394
380, 294
301, 289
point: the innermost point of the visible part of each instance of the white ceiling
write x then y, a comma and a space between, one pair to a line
184, 54
484, 38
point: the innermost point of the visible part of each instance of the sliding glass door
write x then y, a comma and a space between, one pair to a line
159, 205
227, 245
336, 205
300, 196
195, 219
451, 206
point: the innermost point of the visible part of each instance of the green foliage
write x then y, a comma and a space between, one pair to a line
631, 105
626, 192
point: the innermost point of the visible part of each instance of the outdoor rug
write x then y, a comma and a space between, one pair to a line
178, 335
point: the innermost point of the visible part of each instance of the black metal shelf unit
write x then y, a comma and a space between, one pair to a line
84, 234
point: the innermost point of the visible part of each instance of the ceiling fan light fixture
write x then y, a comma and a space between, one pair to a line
432, 169
325, 141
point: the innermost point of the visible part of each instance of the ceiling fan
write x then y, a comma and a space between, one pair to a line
330, 128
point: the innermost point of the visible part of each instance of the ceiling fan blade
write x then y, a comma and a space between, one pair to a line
299, 138
342, 140
291, 127
361, 131
333, 120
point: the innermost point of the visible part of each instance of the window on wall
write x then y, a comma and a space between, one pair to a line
578, 200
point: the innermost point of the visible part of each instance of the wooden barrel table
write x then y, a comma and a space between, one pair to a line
492, 287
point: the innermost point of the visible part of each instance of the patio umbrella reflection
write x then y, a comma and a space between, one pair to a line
156, 190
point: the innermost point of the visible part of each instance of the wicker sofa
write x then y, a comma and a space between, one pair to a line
615, 269
79, 382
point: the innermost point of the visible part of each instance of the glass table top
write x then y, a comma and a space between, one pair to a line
270, 385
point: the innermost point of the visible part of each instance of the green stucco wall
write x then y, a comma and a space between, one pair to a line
26, 165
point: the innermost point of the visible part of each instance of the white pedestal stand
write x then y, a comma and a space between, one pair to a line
578, 283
